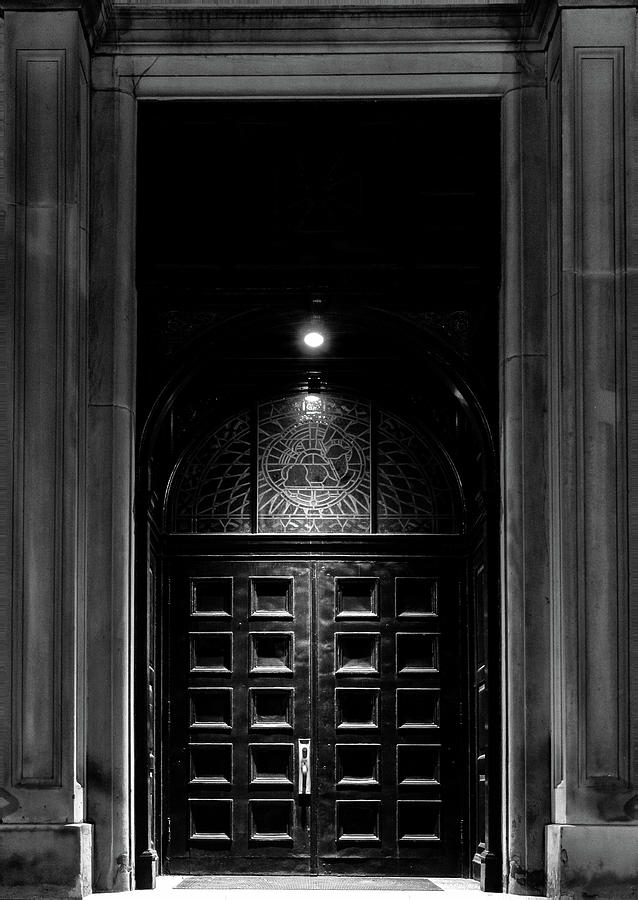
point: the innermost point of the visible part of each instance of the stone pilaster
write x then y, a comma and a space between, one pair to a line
526, 621
43, 770
591, 76
111, 437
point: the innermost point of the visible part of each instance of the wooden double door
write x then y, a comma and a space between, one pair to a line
315, 719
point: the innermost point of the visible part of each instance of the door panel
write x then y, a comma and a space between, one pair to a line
390, 772
364, 659
240, 680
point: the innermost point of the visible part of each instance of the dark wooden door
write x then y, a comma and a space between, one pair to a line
390, 739
364, 660
240, 699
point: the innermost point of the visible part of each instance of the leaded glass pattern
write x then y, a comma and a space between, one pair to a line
314, 465
214, 488
415, 492
312, 470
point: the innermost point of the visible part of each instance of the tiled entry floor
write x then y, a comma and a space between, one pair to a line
258, 887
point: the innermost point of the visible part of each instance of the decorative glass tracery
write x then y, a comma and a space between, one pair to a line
213, 492
316, 465
415, 493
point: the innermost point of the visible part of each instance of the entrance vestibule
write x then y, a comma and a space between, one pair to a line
318, 552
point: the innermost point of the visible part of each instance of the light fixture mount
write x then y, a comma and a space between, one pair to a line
314, 384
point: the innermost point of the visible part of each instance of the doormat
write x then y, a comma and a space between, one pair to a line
304, 883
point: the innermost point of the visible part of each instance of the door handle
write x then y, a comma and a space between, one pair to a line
304, 766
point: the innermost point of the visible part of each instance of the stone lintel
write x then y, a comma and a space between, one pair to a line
54, 860
592, 861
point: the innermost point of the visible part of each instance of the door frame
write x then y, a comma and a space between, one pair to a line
313, 551
519, 523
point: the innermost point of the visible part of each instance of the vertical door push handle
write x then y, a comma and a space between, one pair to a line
304, 766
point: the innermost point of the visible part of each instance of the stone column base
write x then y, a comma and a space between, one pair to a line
45, 860
587, 861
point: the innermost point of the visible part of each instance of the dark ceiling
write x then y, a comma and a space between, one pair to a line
346, 196
387, 204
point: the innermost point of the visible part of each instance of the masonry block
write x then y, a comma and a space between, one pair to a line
592, 862
45, 861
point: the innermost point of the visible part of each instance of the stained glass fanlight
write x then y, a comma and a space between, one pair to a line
214, 484
316, 464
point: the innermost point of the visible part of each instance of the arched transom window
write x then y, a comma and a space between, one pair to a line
316, 464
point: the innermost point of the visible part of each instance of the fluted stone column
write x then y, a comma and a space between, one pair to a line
45, 841
592, 845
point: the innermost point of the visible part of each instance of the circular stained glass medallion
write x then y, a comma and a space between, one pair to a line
313, 464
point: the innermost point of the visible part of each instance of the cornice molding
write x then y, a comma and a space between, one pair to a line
165, 26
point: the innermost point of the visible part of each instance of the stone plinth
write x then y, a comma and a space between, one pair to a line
586, 861
45, 861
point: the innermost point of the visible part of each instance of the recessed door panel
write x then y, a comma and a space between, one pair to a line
314, 718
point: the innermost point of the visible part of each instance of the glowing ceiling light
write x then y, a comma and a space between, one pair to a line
312, 404
313, 339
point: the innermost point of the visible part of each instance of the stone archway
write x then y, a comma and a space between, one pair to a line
205, 465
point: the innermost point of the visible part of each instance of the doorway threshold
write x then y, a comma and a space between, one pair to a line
245, 887
320, 883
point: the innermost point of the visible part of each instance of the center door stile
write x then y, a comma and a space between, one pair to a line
315, 729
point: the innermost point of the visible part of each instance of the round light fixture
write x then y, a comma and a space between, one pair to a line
312, 405
313, 339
